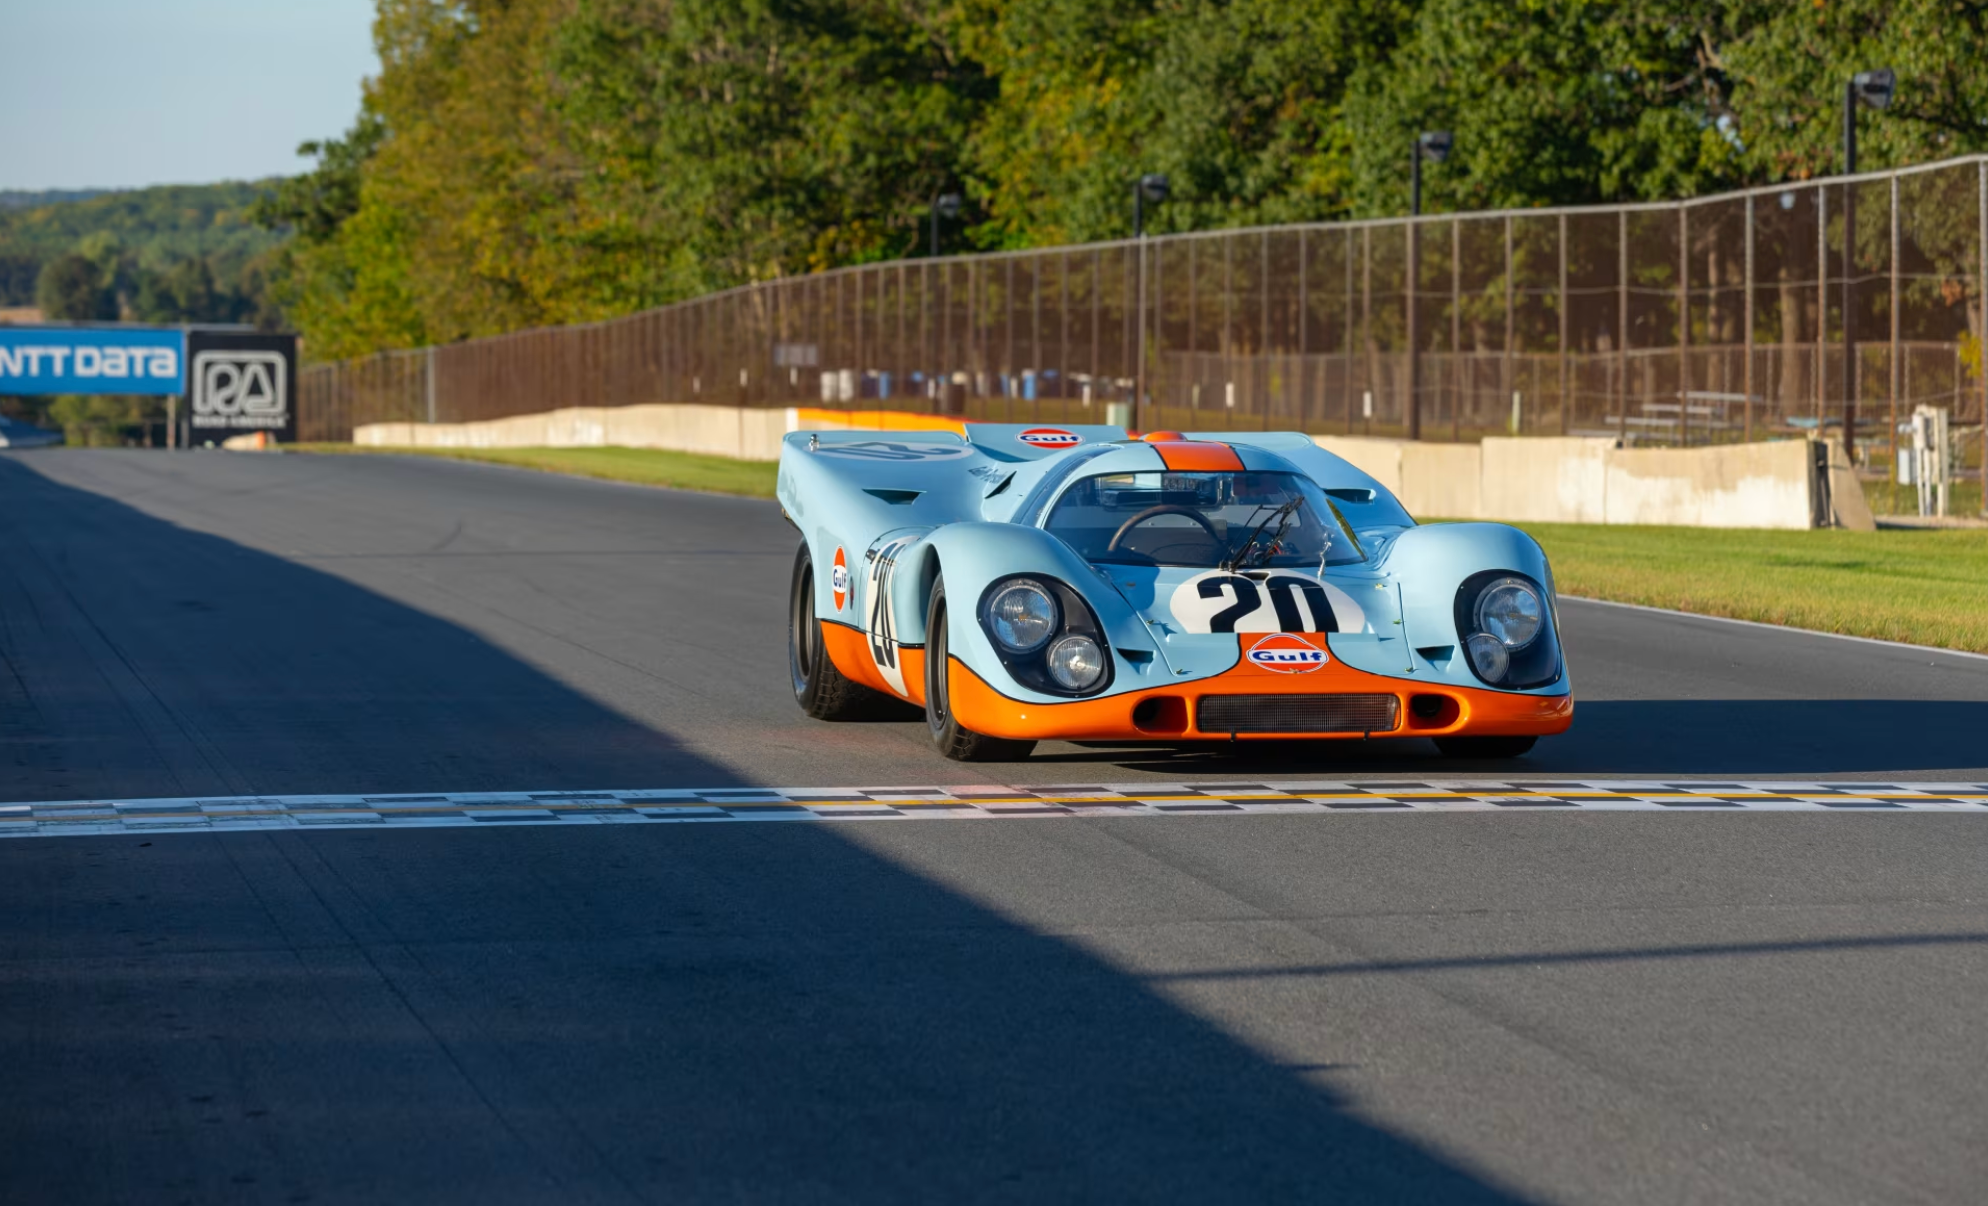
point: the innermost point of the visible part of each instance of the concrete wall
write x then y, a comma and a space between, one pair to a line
1574, 480
1546, 480
752, 435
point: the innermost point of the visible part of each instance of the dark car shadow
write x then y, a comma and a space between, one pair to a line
580, 1012
1628, 738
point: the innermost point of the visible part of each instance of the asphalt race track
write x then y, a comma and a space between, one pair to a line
1471, 1006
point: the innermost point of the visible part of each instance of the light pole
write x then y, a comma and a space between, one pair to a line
1433, 145
944, 206
1149, 188
1873, 88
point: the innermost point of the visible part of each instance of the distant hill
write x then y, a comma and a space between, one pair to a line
156, 228
18, 198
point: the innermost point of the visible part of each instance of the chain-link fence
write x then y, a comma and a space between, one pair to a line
1777, 312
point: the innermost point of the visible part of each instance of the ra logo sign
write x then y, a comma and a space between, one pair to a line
239, 388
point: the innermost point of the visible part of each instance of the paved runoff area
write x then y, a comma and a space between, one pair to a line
76, 817
1724, 941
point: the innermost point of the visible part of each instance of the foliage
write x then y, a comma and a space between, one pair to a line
527, 162
178, 253
99, 420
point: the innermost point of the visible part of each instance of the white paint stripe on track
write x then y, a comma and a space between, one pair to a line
726, 805
1782, 628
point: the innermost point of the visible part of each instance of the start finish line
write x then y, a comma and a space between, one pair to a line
234, 381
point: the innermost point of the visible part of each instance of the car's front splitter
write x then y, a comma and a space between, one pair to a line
1175, 712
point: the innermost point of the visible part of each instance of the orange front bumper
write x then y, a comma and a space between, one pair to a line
1167, 713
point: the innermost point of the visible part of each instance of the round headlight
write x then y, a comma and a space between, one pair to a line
1510, 610
1489, 656
1022, 616
1076, 662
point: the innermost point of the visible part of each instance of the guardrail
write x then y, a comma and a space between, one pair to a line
1819, 307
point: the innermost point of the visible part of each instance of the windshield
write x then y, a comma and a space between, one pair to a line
1204, 520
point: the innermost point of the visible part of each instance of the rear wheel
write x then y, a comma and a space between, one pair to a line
823, 691
959, 744
1484, 747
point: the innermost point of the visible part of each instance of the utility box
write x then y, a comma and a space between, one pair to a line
1926, 462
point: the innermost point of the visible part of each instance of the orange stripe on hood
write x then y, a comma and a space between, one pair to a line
1198, 455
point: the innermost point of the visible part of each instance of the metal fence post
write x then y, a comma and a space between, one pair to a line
1566, 352
1456, 329
1746, 319
1622, 326
1507, 384
1683, 326
1412, 408
1821, 307
428, 371
1896, 366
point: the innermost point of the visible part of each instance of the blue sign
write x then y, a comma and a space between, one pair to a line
92, 360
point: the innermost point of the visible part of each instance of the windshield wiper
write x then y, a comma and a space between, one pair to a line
1284, 513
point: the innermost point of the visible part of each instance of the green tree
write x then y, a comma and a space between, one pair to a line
72, 288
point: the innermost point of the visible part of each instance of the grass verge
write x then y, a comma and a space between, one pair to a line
1927, 587
646, 466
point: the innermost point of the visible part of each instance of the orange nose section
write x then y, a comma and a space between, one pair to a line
1189, 456
1158, 437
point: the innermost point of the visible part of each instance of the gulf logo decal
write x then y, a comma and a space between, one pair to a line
1287, 654
838, 579
1050, 437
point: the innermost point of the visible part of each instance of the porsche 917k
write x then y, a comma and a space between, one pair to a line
1073, 583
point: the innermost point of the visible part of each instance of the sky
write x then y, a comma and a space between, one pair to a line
127, 93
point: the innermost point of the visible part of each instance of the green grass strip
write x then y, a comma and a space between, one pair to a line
645, 466
1926, 587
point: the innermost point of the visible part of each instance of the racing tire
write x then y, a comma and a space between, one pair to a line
1484, 747
954, 741
823, 691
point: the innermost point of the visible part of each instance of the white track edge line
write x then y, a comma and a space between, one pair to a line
1788, 628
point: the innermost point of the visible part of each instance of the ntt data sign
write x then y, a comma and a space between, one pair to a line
92, 360
233, 381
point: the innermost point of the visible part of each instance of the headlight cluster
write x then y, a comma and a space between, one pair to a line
1046, 636
1507, 630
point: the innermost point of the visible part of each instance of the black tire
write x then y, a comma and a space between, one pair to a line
959, 744
823, 692
1484, 747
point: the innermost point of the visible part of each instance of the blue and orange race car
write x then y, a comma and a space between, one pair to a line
1073, 583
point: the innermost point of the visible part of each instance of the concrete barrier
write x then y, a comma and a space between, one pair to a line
1544, 480
739, 432
1580, 480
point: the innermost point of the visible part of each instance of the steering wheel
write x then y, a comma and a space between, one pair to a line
1155, 512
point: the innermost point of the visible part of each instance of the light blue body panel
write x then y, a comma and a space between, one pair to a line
906, 507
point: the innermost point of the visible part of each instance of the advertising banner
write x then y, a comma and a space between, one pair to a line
92, 360
238, 382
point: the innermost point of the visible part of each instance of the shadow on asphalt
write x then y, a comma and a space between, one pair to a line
652, 1013
1626, 738
150, 660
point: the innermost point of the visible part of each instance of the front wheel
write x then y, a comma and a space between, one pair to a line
1484, 747
959, 744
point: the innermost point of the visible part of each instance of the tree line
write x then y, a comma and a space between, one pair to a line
172, 254
528, 162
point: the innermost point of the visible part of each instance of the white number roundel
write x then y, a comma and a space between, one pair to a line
1219, 601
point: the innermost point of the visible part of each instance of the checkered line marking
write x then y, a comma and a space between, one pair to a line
971, 802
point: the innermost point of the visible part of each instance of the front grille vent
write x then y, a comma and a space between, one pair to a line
1296, 713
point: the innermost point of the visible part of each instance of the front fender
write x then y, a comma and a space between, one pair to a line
1430, 564
972, 556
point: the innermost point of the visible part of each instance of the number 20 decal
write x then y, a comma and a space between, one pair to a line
1225, 602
